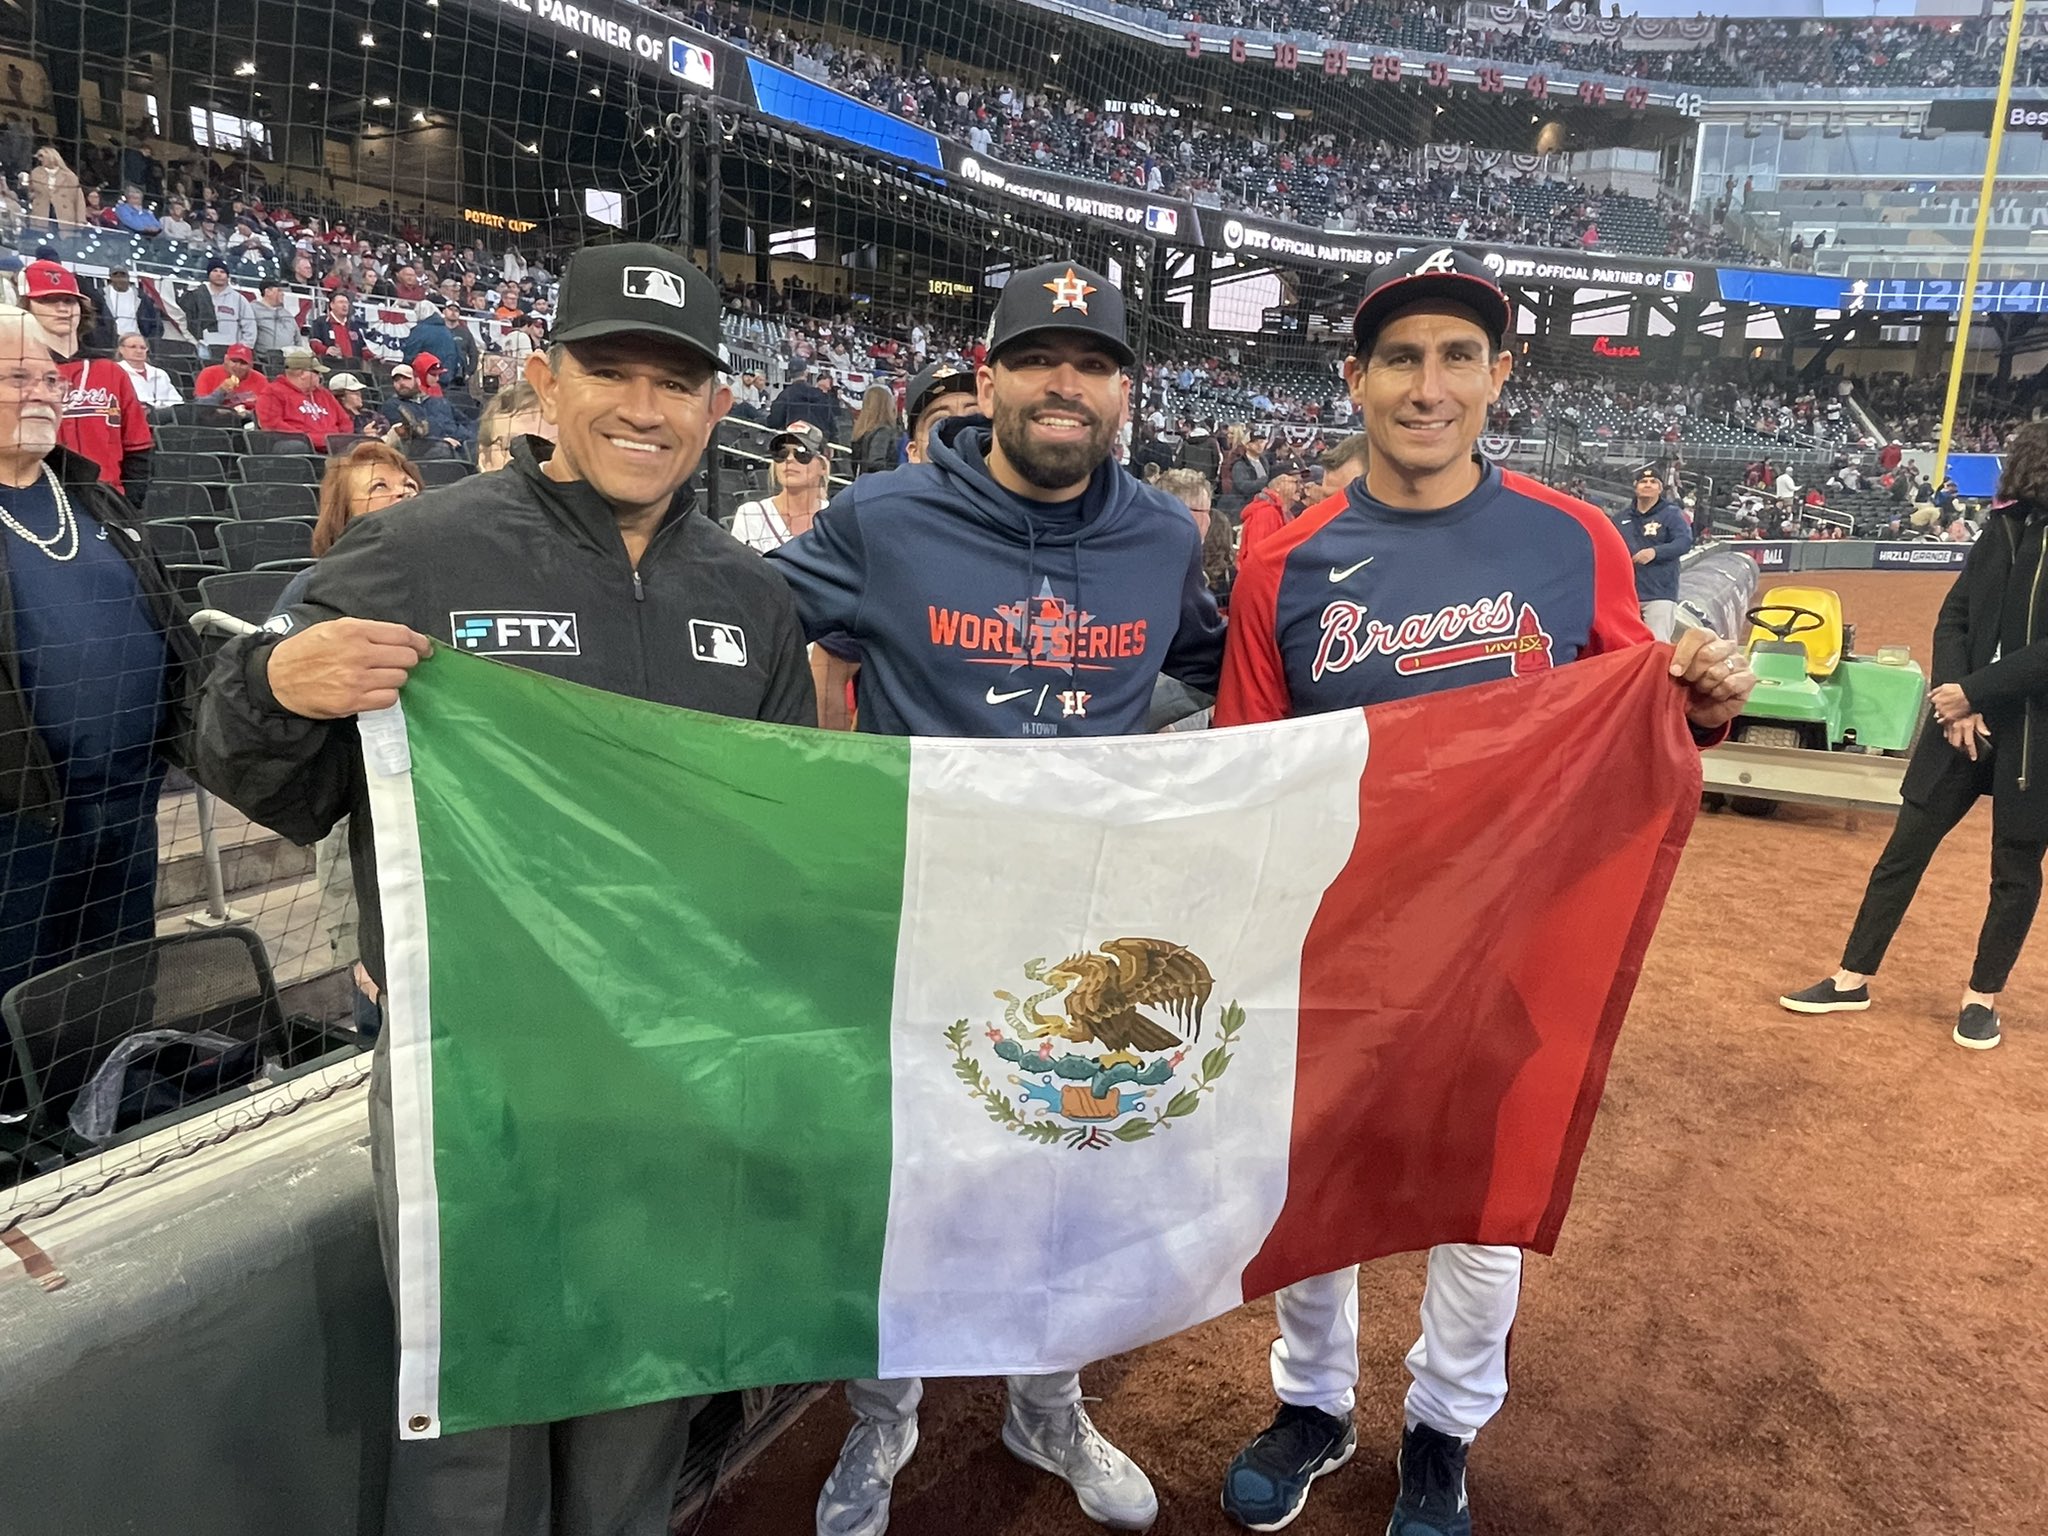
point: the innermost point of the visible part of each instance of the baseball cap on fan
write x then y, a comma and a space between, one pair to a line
1060, 296
621, 290
935, 383
1434, 272
47, 279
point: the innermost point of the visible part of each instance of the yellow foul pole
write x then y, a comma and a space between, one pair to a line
1967, 312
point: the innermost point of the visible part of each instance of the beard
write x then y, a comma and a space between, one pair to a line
1052, 466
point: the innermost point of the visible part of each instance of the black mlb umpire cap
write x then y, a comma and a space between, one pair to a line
616, 290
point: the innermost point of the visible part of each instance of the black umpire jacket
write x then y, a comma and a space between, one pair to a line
529, 570
28, 777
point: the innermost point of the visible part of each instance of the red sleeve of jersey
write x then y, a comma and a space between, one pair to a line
1254, 685
135, 434
1617, 615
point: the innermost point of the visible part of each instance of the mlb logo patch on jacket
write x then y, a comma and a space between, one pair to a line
514, 632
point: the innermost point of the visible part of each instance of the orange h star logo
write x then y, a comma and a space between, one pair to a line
1069, 292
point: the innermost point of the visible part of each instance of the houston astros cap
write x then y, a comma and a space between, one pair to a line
1060, 296
935, 383
1434, 272
617, 290
46, 279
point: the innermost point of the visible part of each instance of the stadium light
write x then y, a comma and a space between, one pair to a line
572, 53
381, 101
369, 39
1055, 58
312, 85
429, 36
246, 67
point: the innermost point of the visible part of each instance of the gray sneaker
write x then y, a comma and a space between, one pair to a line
855, 1498
1066, 1443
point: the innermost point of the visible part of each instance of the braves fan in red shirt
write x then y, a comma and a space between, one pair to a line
1433, 570
103, 419
296, 401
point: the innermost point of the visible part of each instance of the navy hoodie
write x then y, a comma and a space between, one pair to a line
982, 613
1663, 529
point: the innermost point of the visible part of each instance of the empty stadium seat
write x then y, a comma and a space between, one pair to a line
285, 468
266, 499
438, 472
279, 442
250, 596
245, 546
174, 437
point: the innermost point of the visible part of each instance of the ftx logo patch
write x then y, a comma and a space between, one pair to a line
515, 632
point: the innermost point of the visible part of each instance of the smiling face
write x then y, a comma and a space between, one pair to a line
1424, 390
1055, 402
631, 415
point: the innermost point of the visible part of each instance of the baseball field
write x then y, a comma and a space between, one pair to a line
1803, 1289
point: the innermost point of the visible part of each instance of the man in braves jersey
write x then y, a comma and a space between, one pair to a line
1433, 570
103, 419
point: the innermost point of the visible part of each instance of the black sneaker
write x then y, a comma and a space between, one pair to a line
1432, 1501
1826, 997
1977, 1028
1267, 1484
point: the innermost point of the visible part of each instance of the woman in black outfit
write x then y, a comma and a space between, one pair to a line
1988, 735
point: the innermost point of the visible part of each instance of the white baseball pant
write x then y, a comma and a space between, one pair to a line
1459, 1366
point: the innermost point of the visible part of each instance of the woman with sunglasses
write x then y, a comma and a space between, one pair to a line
803, 473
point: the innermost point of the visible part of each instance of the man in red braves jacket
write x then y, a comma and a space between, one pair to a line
103, 419
296, 401
1433, 570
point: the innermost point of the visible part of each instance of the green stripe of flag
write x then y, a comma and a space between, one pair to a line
724, 938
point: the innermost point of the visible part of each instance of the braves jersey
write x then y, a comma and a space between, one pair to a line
282, 407
1356, 602
102, 417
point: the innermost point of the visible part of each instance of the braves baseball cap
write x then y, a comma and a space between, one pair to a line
620, 290
935, 383
1060, 296
805, 434
47, 279
240, 354
1441, 272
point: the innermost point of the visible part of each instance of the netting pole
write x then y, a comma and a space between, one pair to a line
1143, 256
1966, 310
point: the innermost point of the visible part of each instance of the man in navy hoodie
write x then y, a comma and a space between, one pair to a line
1658, 536
1017, 584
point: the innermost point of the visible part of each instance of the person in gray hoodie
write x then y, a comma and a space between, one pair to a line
277, 320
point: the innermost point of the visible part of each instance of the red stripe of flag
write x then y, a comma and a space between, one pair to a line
1465, 979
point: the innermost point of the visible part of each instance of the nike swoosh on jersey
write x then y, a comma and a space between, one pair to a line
1004, 698
1349, 571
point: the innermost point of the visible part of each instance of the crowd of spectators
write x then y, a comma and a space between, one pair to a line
1986, 415
1284, 171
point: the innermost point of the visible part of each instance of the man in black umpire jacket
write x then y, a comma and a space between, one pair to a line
584, 559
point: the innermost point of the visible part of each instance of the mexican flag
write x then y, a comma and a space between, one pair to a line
725, 1054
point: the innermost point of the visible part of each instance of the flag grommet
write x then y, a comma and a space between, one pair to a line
419, 1423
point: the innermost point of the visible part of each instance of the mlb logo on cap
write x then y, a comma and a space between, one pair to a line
653, 283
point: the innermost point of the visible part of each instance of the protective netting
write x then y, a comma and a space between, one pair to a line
393, 187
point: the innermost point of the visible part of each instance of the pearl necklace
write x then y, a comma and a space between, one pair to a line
67, 523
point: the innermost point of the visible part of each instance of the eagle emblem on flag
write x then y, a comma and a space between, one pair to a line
1091, 1075
1069, 292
